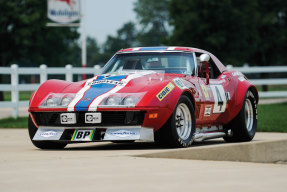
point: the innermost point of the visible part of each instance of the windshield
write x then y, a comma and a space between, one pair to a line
171, 62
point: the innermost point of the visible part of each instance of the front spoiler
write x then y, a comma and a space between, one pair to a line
115, 133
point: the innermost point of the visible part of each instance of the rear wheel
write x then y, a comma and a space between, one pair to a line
243, 126
42, 144
179, 130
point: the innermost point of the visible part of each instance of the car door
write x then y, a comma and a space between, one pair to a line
215, 97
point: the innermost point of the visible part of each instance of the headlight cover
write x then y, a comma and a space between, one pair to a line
57, 100
121, 100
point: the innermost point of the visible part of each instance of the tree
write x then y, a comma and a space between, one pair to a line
27, 41
237, 31
153, 18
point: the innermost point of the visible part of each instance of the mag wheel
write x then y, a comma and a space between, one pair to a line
179, 129
42, 144
243, 126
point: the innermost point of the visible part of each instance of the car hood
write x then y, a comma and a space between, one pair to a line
95, 90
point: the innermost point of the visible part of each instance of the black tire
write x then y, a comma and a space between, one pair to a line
169, 135
241, 129
42, 144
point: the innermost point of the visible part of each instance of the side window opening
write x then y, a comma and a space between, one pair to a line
213, 69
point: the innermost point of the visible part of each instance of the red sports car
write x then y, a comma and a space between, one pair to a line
170, 95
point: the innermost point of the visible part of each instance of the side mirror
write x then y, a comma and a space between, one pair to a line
204, 59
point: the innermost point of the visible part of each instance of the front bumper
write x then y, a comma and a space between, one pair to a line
98, 133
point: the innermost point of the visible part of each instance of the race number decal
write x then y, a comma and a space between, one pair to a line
219, 98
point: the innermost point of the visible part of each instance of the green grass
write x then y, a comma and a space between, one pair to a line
21, 122
271, 118
23, 95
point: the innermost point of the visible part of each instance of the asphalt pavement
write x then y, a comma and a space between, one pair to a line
117, 167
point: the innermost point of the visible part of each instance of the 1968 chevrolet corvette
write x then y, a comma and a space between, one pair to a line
170, 95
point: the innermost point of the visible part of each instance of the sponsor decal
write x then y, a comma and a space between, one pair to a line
205, 92
241, 78
165, 91
68, 118
93, 118
237, 73
48, 134
178, 82
105, 81
123, 133
207, 110
83, 135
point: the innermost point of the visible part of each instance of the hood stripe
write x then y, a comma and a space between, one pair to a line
97, 90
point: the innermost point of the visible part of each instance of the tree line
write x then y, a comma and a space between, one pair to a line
237, 31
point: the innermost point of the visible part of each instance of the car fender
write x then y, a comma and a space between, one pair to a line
49, 86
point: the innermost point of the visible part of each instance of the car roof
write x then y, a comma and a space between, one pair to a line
161, 48
220, 66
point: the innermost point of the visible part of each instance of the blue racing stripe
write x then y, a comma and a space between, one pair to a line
97, 90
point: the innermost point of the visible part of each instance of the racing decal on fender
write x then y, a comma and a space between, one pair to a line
178, 82
205, 92
165, 91
207, 110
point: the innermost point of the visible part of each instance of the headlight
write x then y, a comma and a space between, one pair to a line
51, 102
65, 101
121, 100
130, 101
113, 100
57, 100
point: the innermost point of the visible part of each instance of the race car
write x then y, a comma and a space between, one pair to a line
169, 95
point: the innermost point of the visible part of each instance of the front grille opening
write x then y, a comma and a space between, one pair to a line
109, 118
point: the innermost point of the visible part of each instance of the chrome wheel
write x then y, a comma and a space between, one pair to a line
183, 121
248, 115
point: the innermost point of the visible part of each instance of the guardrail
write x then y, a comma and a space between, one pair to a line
258, 82
14, 71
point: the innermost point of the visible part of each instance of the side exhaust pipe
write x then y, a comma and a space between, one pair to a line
198, 137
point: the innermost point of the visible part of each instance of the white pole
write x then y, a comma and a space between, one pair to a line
83, 24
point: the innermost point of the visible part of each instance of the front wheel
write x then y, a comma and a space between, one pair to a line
42, 144
179, 130
243, 126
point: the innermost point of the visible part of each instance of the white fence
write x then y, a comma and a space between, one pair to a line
258, 82
14, 71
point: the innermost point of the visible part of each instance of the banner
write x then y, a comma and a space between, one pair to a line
64, 11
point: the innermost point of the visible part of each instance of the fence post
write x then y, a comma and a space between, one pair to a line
69, 73
97, 69
15, 90
43, 73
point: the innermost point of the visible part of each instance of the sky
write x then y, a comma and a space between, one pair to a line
105, 17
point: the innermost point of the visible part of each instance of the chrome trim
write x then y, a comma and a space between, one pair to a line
198, 137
